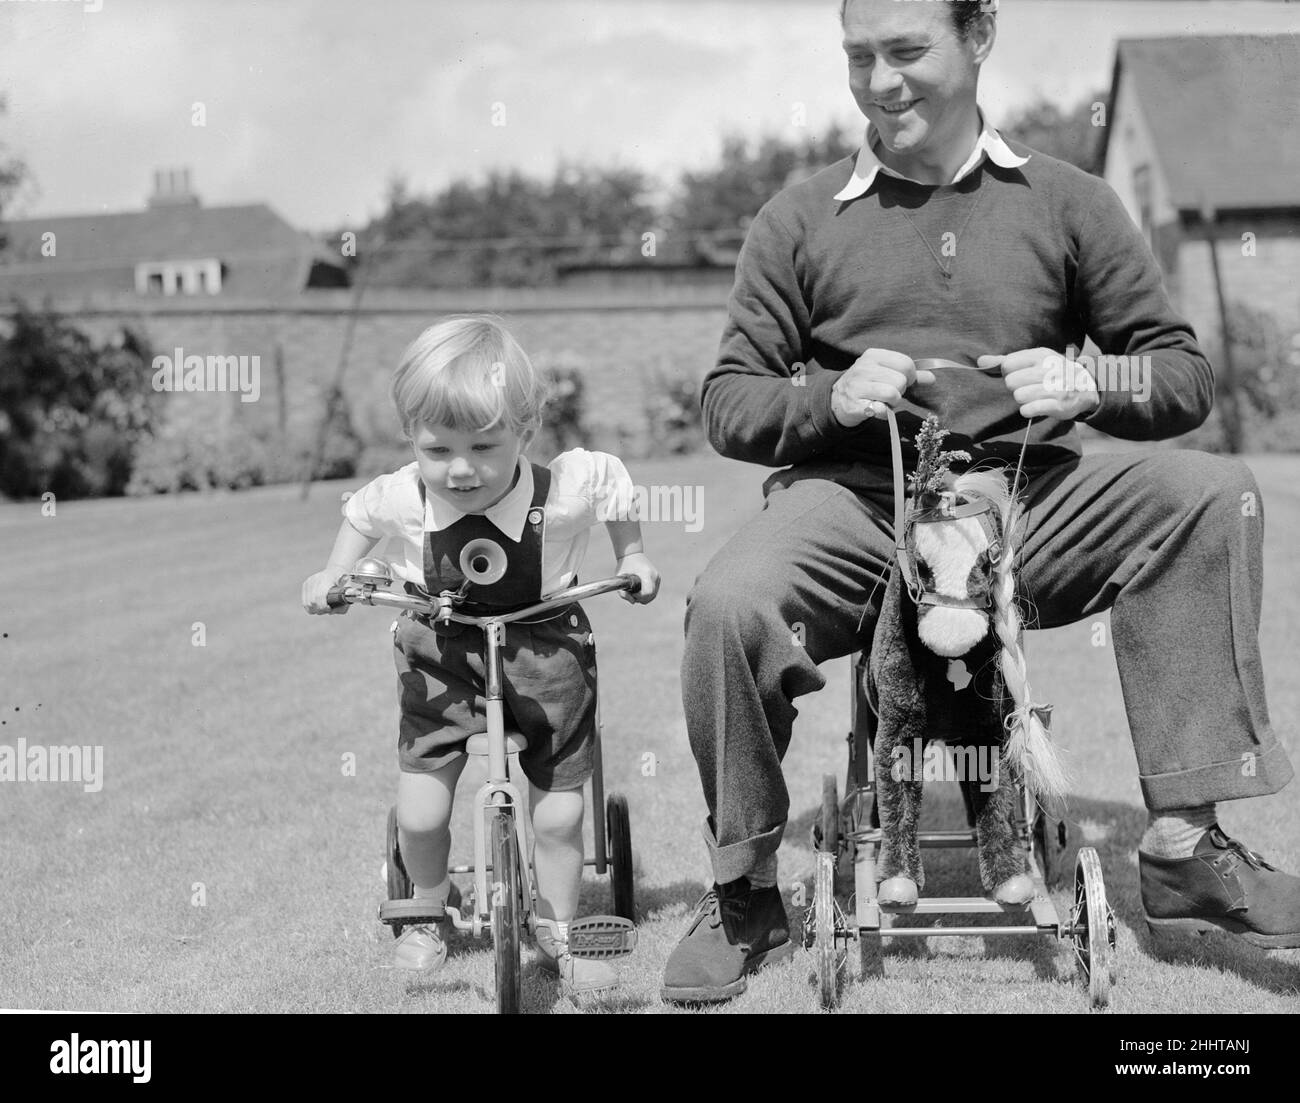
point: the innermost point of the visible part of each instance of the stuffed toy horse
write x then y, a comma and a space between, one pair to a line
947, 663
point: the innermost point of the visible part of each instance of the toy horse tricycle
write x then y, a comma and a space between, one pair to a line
946, 663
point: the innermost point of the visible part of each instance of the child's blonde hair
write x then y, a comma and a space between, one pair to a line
467, 372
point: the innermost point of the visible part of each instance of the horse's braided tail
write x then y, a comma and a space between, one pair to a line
1029, 749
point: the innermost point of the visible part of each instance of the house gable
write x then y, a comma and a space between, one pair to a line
1222, 115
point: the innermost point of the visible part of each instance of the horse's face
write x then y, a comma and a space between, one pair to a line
955, 544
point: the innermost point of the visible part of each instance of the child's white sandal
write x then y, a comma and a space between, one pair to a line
578, 976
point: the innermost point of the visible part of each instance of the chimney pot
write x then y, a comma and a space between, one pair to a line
172, 187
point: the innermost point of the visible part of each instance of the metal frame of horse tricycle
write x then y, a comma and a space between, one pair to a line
506, 905
850, 830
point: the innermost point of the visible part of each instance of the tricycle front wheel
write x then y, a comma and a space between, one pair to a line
399, 881
507, 910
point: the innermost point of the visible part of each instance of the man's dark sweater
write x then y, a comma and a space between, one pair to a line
1044, 256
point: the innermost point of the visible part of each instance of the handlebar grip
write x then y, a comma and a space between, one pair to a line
335, 599
633, 583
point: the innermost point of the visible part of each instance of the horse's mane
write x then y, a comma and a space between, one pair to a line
1029, 745
991, 485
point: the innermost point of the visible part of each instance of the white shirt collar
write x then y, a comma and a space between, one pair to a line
866, 167
508, 515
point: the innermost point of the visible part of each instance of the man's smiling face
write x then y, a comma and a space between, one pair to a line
910, 72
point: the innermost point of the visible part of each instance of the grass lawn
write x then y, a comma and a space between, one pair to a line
231, 861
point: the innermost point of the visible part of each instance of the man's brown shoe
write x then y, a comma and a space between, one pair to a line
1221, 887
736, 930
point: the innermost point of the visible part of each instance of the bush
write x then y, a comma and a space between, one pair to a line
379, 459
566, 408
205, 457
673, 415
1278, 434
1260, 432
73, 415
564, 417
342, 446
1268, 388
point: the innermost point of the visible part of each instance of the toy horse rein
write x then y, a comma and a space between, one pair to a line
1028, 723
949, 510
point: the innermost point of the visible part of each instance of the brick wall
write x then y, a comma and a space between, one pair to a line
1268, 281
617, 337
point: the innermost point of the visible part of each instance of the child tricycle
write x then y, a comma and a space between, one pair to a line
502, 899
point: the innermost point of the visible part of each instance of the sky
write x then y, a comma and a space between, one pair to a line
313, 106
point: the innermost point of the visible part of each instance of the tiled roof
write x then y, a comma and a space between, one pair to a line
1224, 114
262, 254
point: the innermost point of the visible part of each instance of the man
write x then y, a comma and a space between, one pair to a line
941, 240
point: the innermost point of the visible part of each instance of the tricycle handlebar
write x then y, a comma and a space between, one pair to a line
443, 606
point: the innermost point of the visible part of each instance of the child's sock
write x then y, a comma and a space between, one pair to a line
552, 942
1174, 834
763, 874
437, 894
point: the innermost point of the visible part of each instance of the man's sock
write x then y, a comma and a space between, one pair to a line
763, 874
1174, 834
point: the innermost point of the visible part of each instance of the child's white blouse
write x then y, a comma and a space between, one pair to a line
587, 488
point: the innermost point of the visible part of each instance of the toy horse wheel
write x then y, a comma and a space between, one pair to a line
1050, 841
830, 815
1093, 924
824, 912
399, 882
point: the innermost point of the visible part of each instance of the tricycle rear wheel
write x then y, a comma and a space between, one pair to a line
618, 825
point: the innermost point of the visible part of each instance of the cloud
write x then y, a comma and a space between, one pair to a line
313, 106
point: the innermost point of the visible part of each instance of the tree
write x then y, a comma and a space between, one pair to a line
13, 174
1073, 135
507, 229
723, 199
71, 415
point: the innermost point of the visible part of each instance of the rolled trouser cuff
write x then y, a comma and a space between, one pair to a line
737, 859
1251, 774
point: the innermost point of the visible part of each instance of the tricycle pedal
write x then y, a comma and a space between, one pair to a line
407, 912
601, 936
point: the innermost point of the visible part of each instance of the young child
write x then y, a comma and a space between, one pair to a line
470, 403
